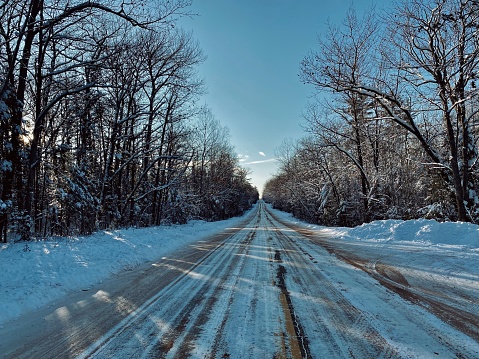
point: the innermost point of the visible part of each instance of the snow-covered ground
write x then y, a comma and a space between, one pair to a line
38, 272
449, 249
35, 273
415, 233
439, 257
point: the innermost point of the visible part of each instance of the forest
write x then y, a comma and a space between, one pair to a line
393, 124
100, 125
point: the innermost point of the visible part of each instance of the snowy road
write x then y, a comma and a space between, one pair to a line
264, 290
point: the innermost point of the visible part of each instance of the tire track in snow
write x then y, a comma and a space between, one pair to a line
218, 344
441, 340
336, 327
239, 299
185, 337
154, 327
252, 323
448, 304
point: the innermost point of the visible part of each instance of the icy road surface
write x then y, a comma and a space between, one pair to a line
268, 289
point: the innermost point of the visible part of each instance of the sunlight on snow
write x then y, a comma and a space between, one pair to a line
187, 272
81, 304
102, 296
124, 306
63, 313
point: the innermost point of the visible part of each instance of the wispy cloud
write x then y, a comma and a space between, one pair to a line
261, 161
262, 153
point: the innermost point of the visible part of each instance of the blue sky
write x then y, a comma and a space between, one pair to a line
253, 49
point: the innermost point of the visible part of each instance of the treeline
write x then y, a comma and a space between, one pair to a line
396, 135
99, 123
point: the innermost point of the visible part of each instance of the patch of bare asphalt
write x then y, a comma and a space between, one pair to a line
298, 342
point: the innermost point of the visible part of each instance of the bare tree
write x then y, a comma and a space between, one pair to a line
33, 45
427, 73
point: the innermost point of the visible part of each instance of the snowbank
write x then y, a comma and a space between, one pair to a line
420, 231
427, 232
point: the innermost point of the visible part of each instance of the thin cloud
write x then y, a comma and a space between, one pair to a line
262, 161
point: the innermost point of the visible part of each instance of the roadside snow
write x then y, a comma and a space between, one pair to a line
420, 232
438, 260
38, 272
35, 273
